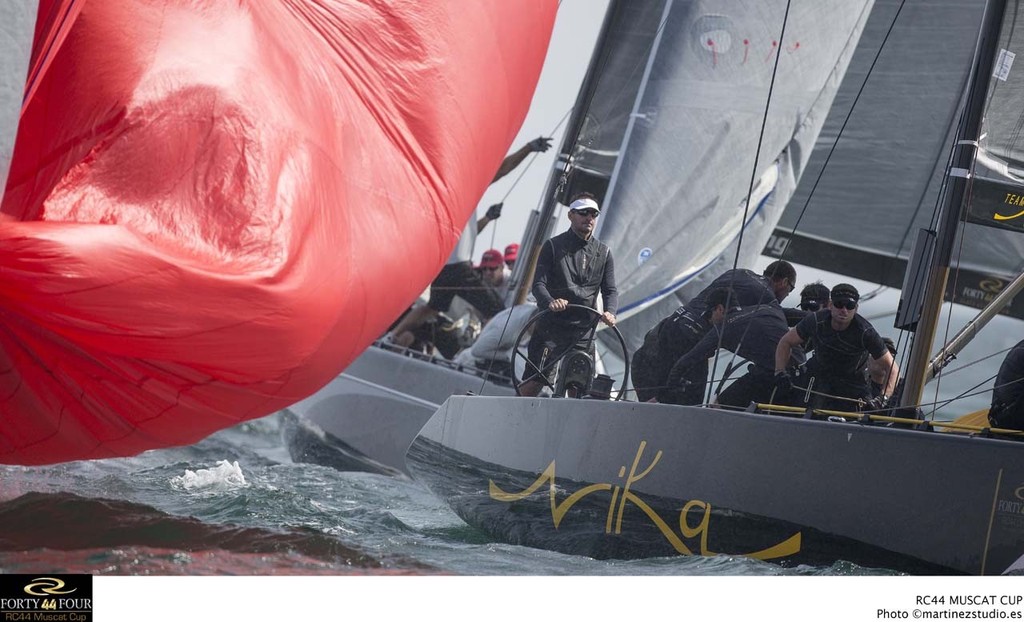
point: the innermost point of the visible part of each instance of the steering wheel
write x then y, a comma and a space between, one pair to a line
555, 360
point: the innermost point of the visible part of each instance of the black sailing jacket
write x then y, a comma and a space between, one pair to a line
577, 270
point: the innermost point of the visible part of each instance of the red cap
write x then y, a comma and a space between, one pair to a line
491, 259
511, 252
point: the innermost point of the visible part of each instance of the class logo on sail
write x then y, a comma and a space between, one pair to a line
996, 204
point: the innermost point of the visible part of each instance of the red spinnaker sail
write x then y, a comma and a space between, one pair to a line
215, 205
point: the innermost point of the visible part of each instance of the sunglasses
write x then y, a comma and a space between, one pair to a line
491, 269
844, 303
592, 213
810, 305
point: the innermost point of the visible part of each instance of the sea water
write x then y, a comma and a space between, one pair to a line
235, 503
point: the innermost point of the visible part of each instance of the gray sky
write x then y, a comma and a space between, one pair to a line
572, 43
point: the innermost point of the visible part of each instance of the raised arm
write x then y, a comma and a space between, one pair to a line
513, 159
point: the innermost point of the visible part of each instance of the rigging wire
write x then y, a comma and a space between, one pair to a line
832, 150
962, 223
962, 395
956, 275
835, 143
573, 147
954, 119
533, 158
842, 128
750, 193
949, 372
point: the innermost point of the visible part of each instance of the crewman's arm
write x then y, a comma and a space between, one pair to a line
885, 372
785, 348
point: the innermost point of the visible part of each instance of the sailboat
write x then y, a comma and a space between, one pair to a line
624, 479
636, 106
201, 204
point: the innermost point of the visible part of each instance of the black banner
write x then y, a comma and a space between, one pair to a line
45, 598
996, 204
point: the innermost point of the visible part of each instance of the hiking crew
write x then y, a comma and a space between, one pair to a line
1007, 409
677, 334
751, 333
841, 339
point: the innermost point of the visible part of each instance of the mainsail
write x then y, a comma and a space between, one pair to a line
888, 168
688, 95
998, 184
207, 209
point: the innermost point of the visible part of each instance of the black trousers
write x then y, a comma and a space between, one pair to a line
653, 361
756, 386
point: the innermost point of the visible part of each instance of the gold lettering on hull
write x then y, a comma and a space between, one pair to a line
621, 495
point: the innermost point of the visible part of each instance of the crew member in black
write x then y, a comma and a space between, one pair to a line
1007, 409
572, 269
813, 297
841, 338
678, 333
878, 373
751, 333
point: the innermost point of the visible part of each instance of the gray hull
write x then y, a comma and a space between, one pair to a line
365, 419
622, 480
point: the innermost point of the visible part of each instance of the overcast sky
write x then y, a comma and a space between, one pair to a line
572, 43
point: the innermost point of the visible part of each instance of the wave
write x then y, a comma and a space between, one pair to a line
110, 527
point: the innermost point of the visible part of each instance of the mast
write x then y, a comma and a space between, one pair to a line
540, 220
959, 174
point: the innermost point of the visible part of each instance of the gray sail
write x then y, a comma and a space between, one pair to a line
998, 190
883, 179
674, 125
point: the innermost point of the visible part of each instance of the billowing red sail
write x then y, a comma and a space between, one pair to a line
214, 205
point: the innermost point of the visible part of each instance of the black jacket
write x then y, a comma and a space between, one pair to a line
752, 333
577, 270
1008, 397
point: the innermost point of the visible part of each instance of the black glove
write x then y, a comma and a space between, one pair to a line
783, 382
876, 403
675, 378
494, 211
539, 144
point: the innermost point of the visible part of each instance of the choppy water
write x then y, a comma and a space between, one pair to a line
235, 503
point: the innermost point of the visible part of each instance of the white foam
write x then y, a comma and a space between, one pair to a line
226, 475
